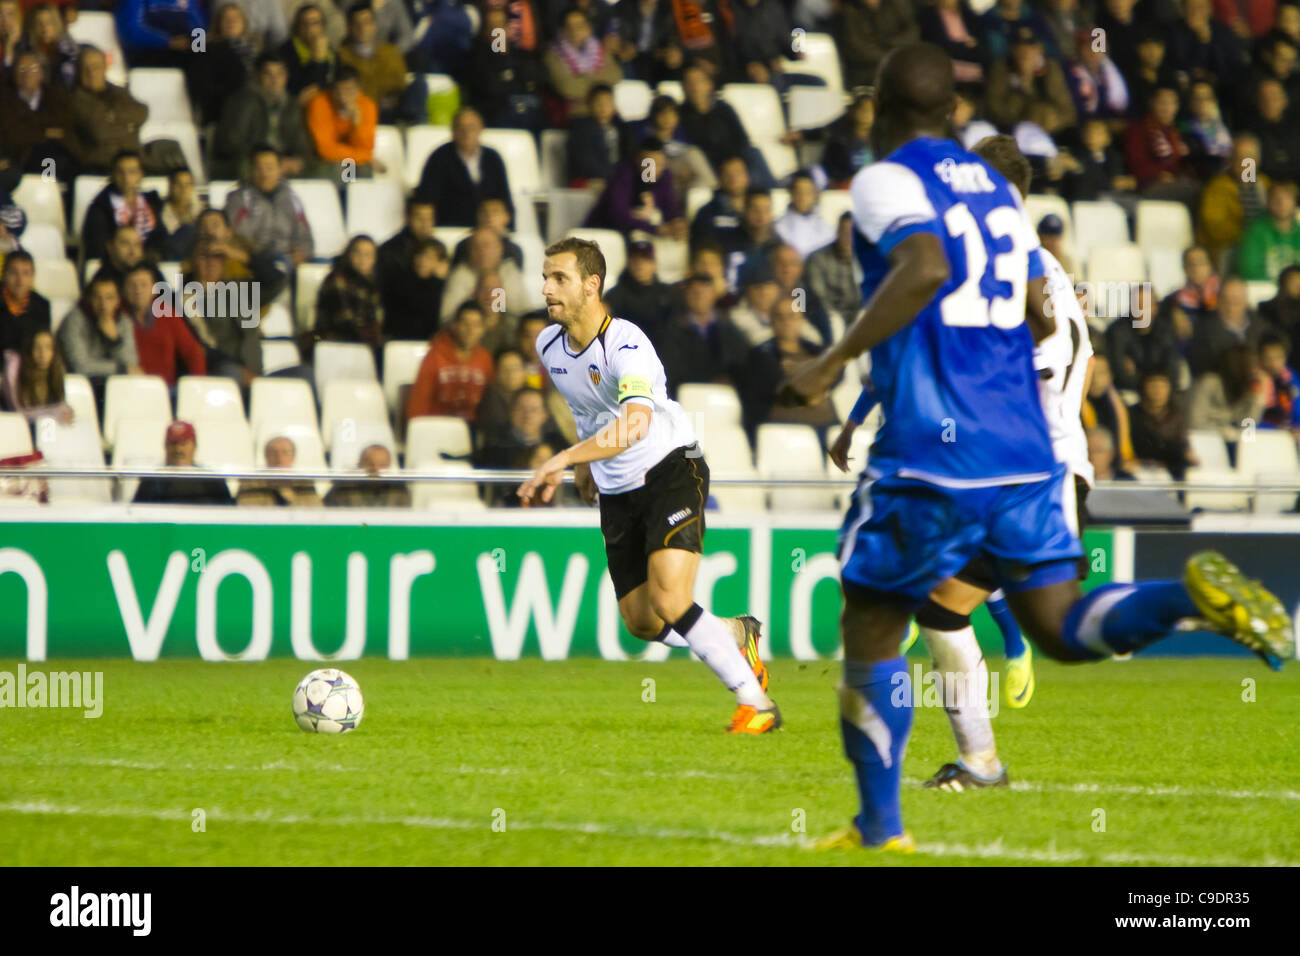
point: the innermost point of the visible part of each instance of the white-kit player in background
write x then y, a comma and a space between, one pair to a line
639, 451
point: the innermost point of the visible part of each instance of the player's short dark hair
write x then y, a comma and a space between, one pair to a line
1003, 154
591, 261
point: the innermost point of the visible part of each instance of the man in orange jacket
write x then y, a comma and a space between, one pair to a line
342, 121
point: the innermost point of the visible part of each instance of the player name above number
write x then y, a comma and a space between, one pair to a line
964, 177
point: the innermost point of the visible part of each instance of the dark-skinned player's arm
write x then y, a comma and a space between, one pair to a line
918, 269
619, 434
1039, 314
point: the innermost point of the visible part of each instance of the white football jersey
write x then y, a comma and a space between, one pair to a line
619, 365
1064, 354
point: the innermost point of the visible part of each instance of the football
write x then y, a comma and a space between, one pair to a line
327, 701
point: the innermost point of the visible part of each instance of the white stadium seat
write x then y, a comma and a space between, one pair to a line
163, 91
727, 450
308, 279
208, 398
390, 151
1259, 291
1163, 225
1098, 224
139, 445
320, 202
820, 58
278, 354
43, 241
1165, 269
1038, 205
780, 202
60, 306
84, 191
401, 364
451, 236
1118, 263
1227, 500
42, 201
81, 399
672, 258
793, 451
431, 439
717, 404
357, 402
1267, 450
351, 438
15, 435
99, 30
519, 153
219, 190
697, 197
277, 323
1209, 448
76, 445
781, 159
376, 208
224, 446
186, 135
56, 279
834, 203
277, 401
567, 209
451, 495
553, 158
534, 251
759, 108
632, 99
421, 141
814, 107
138, 397
612, 245
341, 361
671, 88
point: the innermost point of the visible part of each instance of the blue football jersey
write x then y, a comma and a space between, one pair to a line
957, 385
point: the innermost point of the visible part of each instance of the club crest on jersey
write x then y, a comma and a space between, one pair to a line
594, 374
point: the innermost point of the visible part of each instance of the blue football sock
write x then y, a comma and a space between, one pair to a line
1012, 639
1122, 618
875, 719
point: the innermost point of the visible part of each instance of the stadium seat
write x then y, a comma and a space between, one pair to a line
1119, 263
1227, 500
43, 241
717, 404
42, 201
553, 159
432, 439
278, 401
1151, 474
450, 236
56, 279
834, 203
814, 107
81, 399
358, 402
401, 364
278, 354
219, 190
320, 201
534, 251
793, 451
136, 397
139, 444
1209, 448
1267, 450
276, 322
1276, 502
421, 141
341, 361
350, 438
781, 159
759, 108
1038, 205
697, 197
612, 245
820, 58
224, 446
15, 435
1259, 291
845, 394
390, 151
84, 191
632, 100
60, 306
88, 270
449, 495
208, 398
672, 88
376, 208
99, 30
727, 451
672, 258
780, 202
308, 278
1163, 225
567, 209
1098, 224
186, 134
1165, 269
75, 445
519, 153
163, 91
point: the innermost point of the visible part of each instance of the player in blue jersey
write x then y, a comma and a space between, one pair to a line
962, 466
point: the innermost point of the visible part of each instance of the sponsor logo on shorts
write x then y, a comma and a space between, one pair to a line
677, 516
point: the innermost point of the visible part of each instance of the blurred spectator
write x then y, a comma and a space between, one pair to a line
97, 337
759, 294
848, 143
1051, 235
1232, 198
162, 340
461, 174
714, 127
700, 343
1283, 310
266, 22
530, 327
348, 305
1286, 21
39, 124
771, 363
787, 266
1141, 344
47, 36
647, 46
266, 214
709, 258
500, 315
307, 54
865, 30
576, 62
494, 407
1095, 81
639, 295
951, 24
122, 203
158, 32
1271, 242
1101, 454
123, 252
455, 371
689, 166
229, 62
1281, 406
392, 23
508, 78
1103, 407
756, 238
720, 218
1024, 78
492, 214
1207, 137
597, 141
631, 201
380, 67
178, 226
1231, 395
1232, 324
367, 492
233, 343
511, 445
1003, 21
801, 225
23, 311
1203, 49
967, 129
342, 121
1199, 294
1116, 21
261, 112
1159, 427
1279, 139
280, 452
412, 294
11, 32
180, 443
759, 40
1156, 153
831, 275
1153, 71
33, 380
486, 256
442, 33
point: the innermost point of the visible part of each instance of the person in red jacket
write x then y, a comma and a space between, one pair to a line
161, 339
455, 371
1156, 154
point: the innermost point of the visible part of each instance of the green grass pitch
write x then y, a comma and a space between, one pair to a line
1157, 762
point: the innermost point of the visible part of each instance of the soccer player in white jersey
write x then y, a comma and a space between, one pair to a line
637, 449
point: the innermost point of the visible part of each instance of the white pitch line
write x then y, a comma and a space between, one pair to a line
985, 851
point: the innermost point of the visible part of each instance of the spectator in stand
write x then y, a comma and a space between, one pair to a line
535, 376
1026, 77
848, 143
1279, 139
1232, 396
500, 316
266, 22
756, 239
1103, 406
770, 364
597, 141
461, 174
1159, 427
348, 306
508, 78
1233, 324
965, 127
97, 336
494, 406
159, 32
455, 371
1051, 236
709, 258
760, 39
787, 266
233, 344
1153, 72
1283, 310
1156, 153
368, 492
951, 24
700, 344
713, 126
865, 30
1286, 21
39, 122
721, 217
688, 163
1101, 454
1100, 167
121, 203
647, 47
261, 112
801, 225
393, 24
1282, 403
576, 62
11, 33
163, 342
23, 310
831, 274
1116, 21
229, 62
178, 225
33, 380
1252, 20
512, 445
640, 296
1207, 136
442, 34
1197, 298
412, 270
631, 202
492, 214
486, 256
1141, 344
47, 36
266, 214
280, 452
1271, 242
342, 122
1201, 48
307, 54
759, 294
180, 443
1231, 199
1095, 81
380, 67
124, 252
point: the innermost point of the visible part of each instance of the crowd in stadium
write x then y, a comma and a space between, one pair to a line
1115, 100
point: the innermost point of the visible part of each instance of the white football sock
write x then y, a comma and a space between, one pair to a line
673, 639
963, 678
712, 640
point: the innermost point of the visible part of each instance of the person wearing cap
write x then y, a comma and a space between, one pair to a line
179, 444
280, 452
640, 196
640, 296
830, 272
1051, 234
